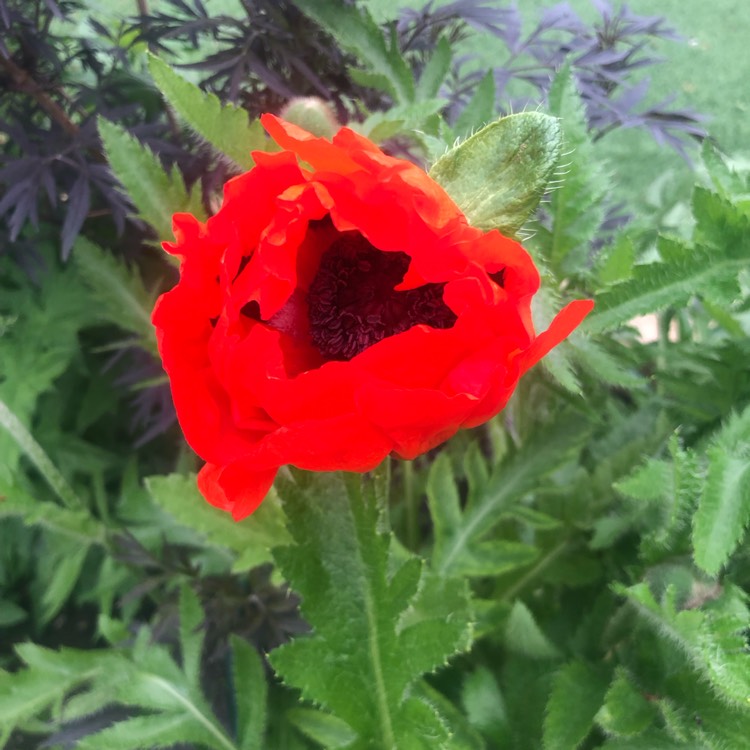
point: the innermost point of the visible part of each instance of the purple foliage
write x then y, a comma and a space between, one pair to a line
603, 56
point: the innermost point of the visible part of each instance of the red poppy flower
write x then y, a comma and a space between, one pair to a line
337, 309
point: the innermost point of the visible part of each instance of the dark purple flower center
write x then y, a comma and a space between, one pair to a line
352, 303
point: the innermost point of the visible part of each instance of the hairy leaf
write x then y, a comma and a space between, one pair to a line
251, 693
250, 539
157, 194
118, 290
626, 711
712, 640
724, 509
460, 545
376, 631
576, 202
226, 127
577, 694
354, 29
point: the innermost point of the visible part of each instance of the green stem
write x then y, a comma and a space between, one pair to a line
533, 572
411, 506
39, 458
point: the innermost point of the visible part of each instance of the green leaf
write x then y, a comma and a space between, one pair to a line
250, 539
118, 290
191, 635
435, 71
75, 524
11, 613
558, 362
460, 548
484, 705
29, 692
610, 369
626, 710
151, 733
497, 176
25, 441
654, 286
708, 268
577, 694
577, 201
724, 179
712, 640
226, 127
481, 107
356, 31
325, 729
64, 577
156, 194
653, 741
524, 636
411, 119
376, 630
616, 264
724, 509
251, 694
37, 345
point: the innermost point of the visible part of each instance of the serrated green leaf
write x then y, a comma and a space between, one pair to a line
434, 73
460, 548
649, 482
626, 711
251, 539
38, 346
119, 291
497, 176
156, 194
594, 358
724, 508
577, 695
576, 202
724, 179
29, 692
523, 635
653, 741
329, 731
481, 107
374, 633
75, 524
64, 577
354, 29
713, 640
462, 735
151, 733
251, 695
665, 494
191, 635
226, 127
654, 286
617, 261
11, 424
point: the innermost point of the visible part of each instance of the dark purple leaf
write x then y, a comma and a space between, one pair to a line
79, 203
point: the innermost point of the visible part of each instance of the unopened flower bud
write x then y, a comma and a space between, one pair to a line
313, 114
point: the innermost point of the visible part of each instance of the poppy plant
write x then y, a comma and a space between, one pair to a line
339, 308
